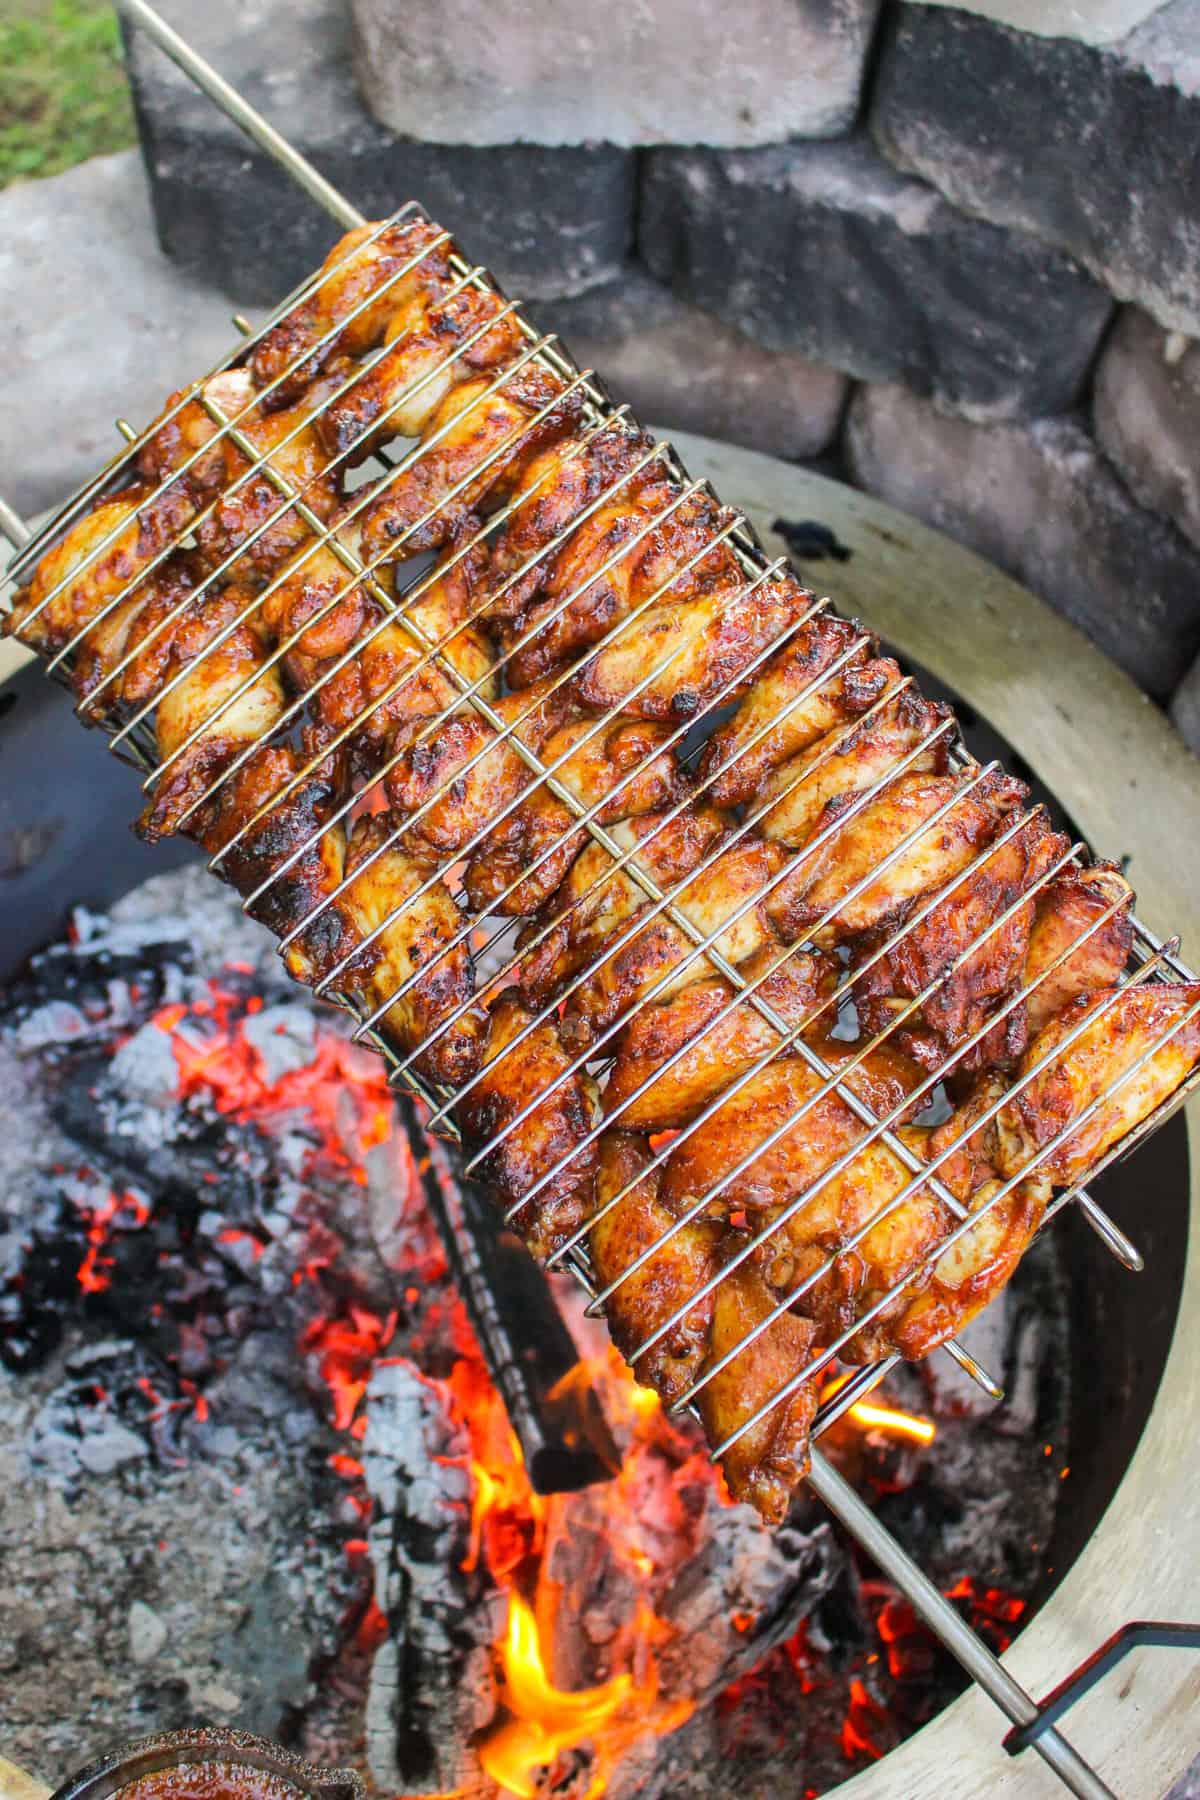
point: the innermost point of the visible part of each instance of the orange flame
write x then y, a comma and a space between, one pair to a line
889, 1419
547, 1722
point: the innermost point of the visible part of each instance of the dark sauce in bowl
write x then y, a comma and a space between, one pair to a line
215, 1780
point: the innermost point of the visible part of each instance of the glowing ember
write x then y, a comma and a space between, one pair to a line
126, 1209
862, 1726
348, 1349
342, 1092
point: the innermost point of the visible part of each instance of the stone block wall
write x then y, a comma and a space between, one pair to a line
956, 259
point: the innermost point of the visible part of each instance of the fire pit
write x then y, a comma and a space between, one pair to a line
817, 1695
527, 1699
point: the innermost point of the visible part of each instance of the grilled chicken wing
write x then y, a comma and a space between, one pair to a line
400, 897
677, 1270
848, 760
709, 1037
939, 948
367, 670
284, 847
227, 699
1071, 913
533, 1074
457, 778
771, 1459
768, 1463
624, 765
1120, 1034
81, 580
818, 895
692, 650
779, 715
428, 354
723, 905
366, 274
784, 1101
557, 485
130, 652
243, 510
475, 446
597, 899
583, 598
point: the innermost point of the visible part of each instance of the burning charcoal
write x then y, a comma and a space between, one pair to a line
285, 1037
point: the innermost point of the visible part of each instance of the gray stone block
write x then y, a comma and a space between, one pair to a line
684, 369
1147, 415
1185, 711
546, 222
96, 322
660, 72
824, 249
1042, 502
1092, 148
1093, 22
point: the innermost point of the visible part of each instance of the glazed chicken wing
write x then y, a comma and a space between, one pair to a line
973, 980
78, 582
722, 904
712, 1036
1071, 913
771, 1459
814, 1128
243, 508
768, 1463
628, 765
597, 899
385, 890
556, 486
846, 762
703, 646
474, 448
779, 716
889, 825
562, 1111
228, 698
583, 599
365, 669
367, 265
460, 776
679, 1269
426, 357
1107, 1049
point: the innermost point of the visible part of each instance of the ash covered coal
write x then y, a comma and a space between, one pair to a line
175, 1237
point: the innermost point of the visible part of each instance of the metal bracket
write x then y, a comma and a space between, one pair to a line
1135, 1635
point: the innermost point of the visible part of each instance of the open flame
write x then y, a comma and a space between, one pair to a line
547, 1723
555, 1729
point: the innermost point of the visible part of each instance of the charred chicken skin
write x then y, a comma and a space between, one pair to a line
734, 992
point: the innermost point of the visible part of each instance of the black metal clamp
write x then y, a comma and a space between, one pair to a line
1139, 1632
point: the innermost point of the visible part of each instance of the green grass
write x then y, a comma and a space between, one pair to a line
63, 92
